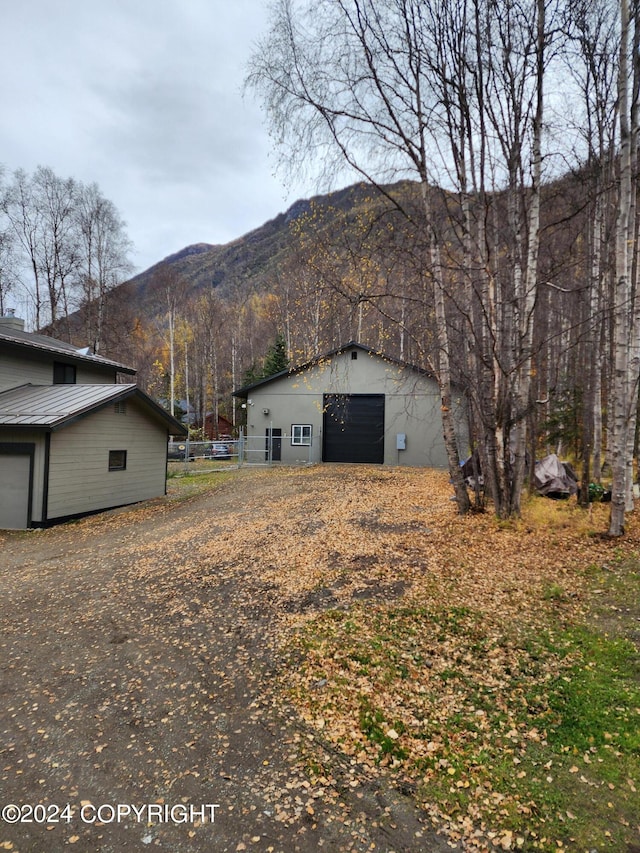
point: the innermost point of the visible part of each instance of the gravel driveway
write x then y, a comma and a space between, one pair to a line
141, 657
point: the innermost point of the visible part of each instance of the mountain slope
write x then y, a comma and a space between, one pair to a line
236, 267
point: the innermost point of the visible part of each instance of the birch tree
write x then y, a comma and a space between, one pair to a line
25, 220
70, 247
7, 253
626, 325
58, 252
171, 291
6, 269
104, 262
448, 93
592, 62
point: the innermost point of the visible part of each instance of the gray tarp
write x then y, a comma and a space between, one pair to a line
554, 479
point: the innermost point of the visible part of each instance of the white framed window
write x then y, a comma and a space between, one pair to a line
301, 434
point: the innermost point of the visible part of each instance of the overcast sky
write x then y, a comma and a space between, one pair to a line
143, 97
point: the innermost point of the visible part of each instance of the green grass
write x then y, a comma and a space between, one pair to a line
374, 726
547, 750
591, 748
598, 702
565, 774
182, 486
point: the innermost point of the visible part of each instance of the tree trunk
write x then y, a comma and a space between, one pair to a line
620, 390
444, 369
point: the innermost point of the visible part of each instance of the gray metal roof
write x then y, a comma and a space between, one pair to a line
54, 406
43, 343
47, 405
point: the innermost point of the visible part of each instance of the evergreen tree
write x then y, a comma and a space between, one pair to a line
251, 375
276, 358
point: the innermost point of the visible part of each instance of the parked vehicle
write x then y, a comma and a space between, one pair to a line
192, 450
218, 450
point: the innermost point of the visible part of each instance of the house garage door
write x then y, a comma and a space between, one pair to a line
15, 490
353, 428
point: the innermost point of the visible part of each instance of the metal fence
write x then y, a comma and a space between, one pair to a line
275, 446
212, 451
254, 449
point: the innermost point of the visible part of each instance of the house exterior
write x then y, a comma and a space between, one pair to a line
215, 428
75, 436
350, 405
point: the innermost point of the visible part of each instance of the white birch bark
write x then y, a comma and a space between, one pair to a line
622, 297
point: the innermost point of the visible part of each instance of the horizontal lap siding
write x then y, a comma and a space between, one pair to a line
79, 476
16, 371
19, 371
89, 375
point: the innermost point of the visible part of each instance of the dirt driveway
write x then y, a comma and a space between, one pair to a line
141, 653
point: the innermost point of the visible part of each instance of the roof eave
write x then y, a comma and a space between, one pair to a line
174, 426
242, 393
68, 355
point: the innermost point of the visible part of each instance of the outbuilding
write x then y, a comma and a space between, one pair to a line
74, 438
353, 404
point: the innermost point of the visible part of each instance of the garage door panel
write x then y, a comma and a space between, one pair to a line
353, 428
15, 491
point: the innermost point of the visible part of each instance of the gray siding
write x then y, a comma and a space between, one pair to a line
79, 476
412, 408
38, 370
89, 375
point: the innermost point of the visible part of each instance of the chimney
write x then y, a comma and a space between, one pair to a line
11, 322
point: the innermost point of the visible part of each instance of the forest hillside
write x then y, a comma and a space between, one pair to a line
361, 264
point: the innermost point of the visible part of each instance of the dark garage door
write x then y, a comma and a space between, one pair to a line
353, 428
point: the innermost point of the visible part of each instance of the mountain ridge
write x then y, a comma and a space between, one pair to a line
246, 261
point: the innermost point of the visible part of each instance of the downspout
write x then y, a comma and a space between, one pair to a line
45, 488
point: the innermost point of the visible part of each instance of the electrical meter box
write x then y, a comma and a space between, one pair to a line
401, 441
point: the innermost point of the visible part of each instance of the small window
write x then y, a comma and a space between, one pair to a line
301, 434
64, 374
117, 460
120, 408
354, 355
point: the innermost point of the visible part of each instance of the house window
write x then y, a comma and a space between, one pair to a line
354, 355
64, 374
120, 408
301, 434
117, 460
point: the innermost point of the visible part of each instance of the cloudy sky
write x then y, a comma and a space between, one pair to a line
144, 97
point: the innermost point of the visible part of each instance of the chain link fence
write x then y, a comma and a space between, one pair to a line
258, 449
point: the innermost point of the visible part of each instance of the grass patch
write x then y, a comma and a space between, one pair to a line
181, 485
556, 516
381, 733
530, 738
597, 702
554, 592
